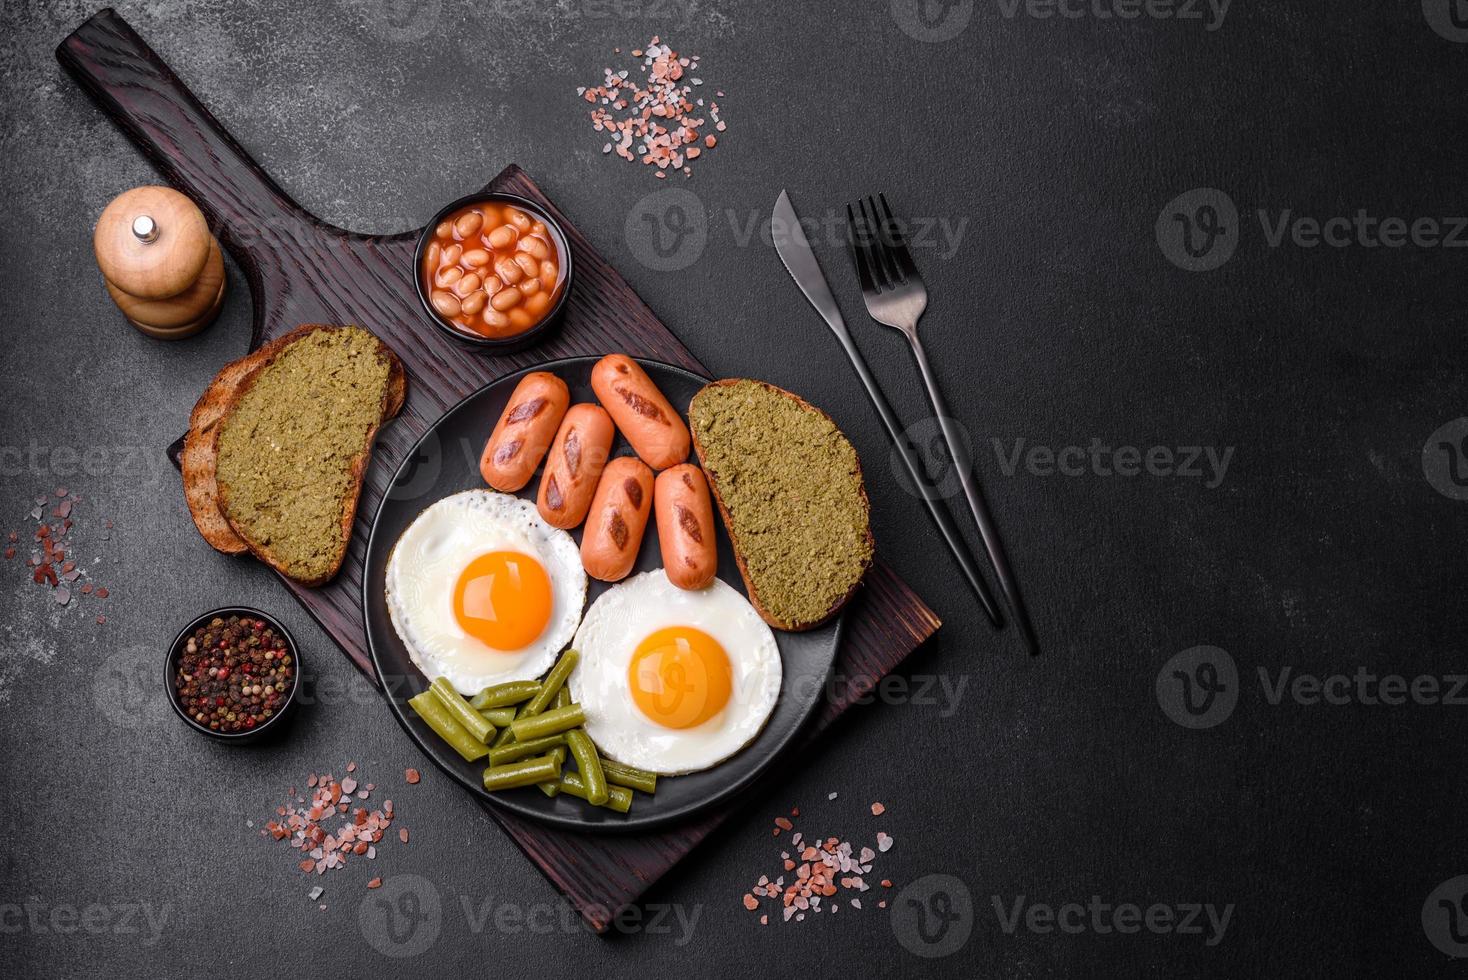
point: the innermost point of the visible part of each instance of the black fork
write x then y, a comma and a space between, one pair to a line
896, 297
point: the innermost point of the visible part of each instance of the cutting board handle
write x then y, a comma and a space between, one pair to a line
142, 95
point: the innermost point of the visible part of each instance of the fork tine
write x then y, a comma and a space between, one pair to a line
867, 239
858, 254
879, 249
897, 241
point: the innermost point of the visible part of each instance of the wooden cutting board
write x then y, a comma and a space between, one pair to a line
301, 270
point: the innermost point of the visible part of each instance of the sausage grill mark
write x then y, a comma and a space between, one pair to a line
617, 528
573, 454
688, 523
633, 490
688, 479
642, 406
507, 452
526, 410
553, 498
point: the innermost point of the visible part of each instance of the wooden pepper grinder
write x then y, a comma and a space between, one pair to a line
163, 268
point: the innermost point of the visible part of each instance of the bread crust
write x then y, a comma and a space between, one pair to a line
754, 597
393, 395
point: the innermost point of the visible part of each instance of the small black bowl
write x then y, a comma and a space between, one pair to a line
497, 345
170, 670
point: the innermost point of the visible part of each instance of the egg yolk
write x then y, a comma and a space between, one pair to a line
680, 677
503, 599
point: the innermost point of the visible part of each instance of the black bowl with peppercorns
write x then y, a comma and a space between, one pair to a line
233, 674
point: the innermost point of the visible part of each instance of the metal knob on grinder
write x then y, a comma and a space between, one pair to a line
162, 267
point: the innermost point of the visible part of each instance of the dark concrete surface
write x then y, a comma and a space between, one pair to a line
1044, 156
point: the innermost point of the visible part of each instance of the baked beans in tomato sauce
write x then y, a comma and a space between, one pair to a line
493, 270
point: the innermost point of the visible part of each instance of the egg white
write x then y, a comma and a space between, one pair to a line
626, 614
425, 565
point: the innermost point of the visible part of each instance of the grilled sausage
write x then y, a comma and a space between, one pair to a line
643, 415
685, 517
617, 520
524, 432
574, 465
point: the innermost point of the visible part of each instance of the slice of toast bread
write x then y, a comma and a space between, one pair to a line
199, 448
257, 520
788, 485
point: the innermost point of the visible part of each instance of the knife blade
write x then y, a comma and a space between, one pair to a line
800, 261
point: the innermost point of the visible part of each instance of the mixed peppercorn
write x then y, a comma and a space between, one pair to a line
234, 674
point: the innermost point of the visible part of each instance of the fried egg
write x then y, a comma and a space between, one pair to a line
481, 590
674, 681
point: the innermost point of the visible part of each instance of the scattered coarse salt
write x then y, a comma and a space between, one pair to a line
326, 829
51, 563
878, 809
821, 869
655, 111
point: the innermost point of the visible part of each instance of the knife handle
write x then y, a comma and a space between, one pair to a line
915, 470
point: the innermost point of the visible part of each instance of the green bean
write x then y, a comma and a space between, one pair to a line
553, 788
498, 717
588, 763
515, 751
563, 697
551, 686
545, 697
505, 737
437, 717
474, 723
621, 775
552, 722
619, 798
505, 695
523, 773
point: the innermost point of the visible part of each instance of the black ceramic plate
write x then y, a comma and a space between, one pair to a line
446, 461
